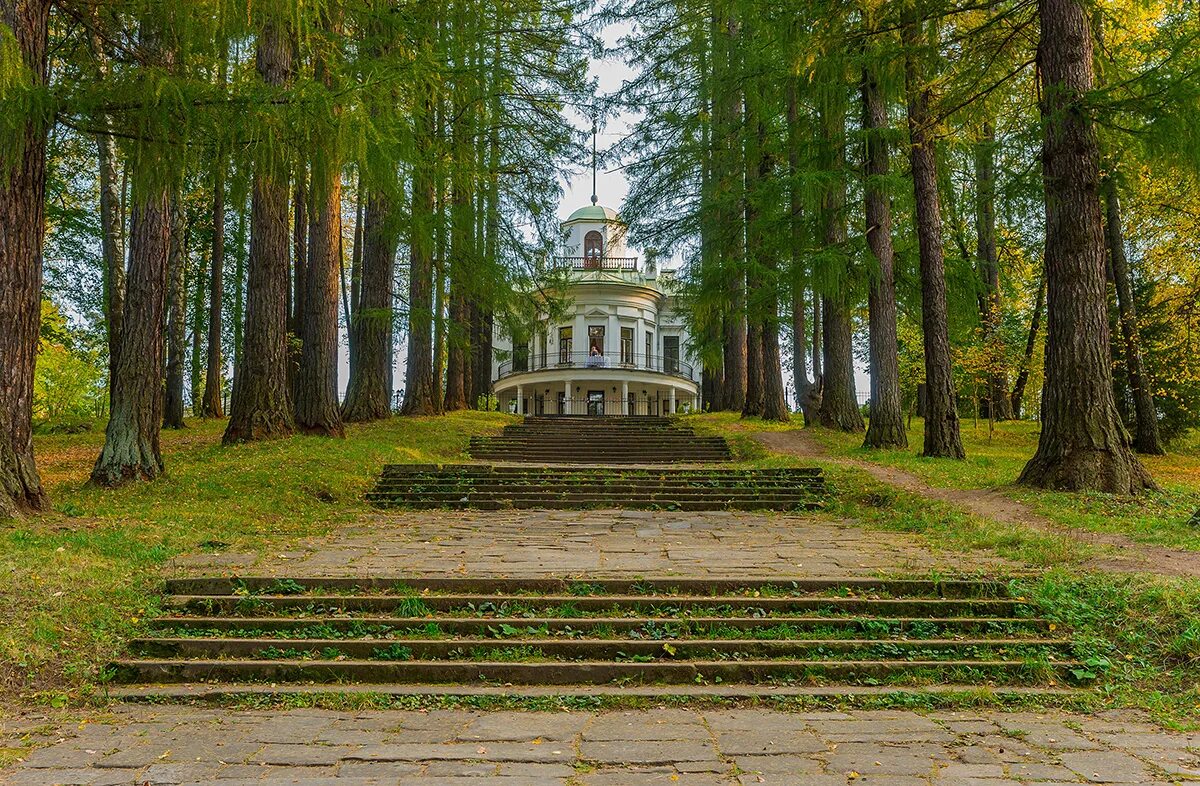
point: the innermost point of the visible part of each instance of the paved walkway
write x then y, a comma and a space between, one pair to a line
603, 543
183, 745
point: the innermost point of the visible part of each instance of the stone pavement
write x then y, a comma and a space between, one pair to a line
603, 543
189, 745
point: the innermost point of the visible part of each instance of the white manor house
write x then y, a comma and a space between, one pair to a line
621, 347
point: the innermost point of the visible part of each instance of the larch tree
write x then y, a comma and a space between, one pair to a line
260, 406
1083, 444
886, 425
22, 227
942, 437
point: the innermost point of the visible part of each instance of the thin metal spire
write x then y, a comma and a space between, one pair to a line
594, 159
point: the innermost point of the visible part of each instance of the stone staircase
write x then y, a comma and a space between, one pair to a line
567, 439
487, 487
651, 637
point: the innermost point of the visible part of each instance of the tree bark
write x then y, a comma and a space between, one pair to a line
22, 228
1018, 392
796, 229
318, 410
1083, 445
839, 403
176, 317
299, 282
212, 404
942, 437
260, 406
112, 244
369, 394
1146, 438
420, 388
995, 403
131, 440
886, 426
199, 292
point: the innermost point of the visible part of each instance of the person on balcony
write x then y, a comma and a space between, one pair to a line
595, 359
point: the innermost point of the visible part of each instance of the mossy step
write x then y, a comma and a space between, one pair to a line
581, 672
651, 605
879, 628
191, 648
904, 695
668, 586
608, 504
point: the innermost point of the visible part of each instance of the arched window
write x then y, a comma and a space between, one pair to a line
593, 249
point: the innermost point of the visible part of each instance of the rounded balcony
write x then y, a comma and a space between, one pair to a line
655, 364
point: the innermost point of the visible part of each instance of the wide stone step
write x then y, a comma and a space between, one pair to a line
572, 636
670, 586
500, 627
607, 504
600, 472
781, 671
669, 606
585, 649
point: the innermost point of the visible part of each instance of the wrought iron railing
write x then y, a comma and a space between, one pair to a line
598, 263
566, 360
610, 405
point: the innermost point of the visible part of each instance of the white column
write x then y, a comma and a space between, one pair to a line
639, 341
520, 400
625, 398
672, 399
580, 339
612, 339
566, 398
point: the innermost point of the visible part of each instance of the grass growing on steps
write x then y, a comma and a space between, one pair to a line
74, 583
995, 460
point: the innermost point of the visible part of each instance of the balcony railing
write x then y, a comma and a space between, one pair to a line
598, 263
568, 360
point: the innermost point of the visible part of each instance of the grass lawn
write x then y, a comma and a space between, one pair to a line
75, 582
994, 461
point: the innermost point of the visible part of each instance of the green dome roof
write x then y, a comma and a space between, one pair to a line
594, 213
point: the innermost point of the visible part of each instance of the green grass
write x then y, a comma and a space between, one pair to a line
76, 582
994, 461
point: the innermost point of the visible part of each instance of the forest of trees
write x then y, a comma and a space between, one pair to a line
991, 200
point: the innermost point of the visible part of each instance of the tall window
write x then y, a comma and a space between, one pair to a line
627, 346
596, 339
649, 349
541, 352
521, 357
564, 344
593, 249
671, 354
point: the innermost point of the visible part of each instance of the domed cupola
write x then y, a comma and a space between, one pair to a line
596, 239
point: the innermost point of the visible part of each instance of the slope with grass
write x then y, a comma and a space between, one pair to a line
76, 582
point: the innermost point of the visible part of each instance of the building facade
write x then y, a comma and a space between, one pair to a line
621, 347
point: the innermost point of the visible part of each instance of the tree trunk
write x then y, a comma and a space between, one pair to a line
356, 276
299, 283
261, 406
131, 440
818, 345
420, 388
22, 227
1018, 392
1083, 445
112, 244
1146, 438
886, 426
796, 229
176, 317
199, 291
755, 164
317, 407
369, 394
239, 289
212, 405
995, 402
839, 403
318, 410
942, 438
